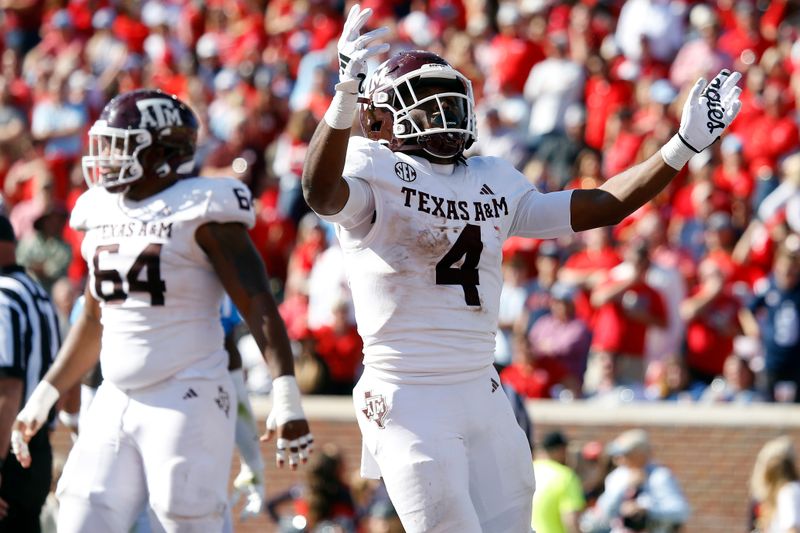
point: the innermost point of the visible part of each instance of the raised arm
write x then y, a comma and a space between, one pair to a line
78, 354
323, 187
706, 114
241, 271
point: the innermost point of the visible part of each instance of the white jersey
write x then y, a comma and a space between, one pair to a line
159, 294
426, 278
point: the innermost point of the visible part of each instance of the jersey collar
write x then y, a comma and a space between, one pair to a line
446, 169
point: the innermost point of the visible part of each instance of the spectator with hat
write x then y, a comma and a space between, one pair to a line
537, 304
44, 253
640, 494
558, 499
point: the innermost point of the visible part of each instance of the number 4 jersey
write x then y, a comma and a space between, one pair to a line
159, 294
426, 277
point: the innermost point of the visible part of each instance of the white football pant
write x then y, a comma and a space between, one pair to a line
169, 445
452, 456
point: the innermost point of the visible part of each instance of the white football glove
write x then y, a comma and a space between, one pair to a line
354, 52
248, 485
353, 55
708, 111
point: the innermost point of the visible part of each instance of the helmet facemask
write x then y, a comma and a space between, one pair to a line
432, 110
113, 159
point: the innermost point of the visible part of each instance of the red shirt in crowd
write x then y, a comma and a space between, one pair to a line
515, 59
603, 97
739, 183
706, 347
614, 332
294, 312
770, 137
274, 238
341, 351
535, 381
590, 261
130, 31
622, 154
737, 40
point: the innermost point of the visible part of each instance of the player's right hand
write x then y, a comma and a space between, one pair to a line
32, 417
354, 52
709, 110
21, 433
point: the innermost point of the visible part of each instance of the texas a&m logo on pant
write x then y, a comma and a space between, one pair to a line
376, 409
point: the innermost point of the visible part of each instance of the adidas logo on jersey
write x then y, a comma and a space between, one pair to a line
486, 190
190, 394
495, 384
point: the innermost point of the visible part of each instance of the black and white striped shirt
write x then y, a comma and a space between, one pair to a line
29, 333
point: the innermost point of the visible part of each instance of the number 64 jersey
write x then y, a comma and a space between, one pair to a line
159, 294
426, 277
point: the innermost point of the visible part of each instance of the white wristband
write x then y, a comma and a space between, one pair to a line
286, 404
676, 153
342, 110
42, 399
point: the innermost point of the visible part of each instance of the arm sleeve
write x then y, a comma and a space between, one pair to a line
359, 207
79, 216
543, 215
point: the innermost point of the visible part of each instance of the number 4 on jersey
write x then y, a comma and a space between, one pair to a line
149, 261
469, 246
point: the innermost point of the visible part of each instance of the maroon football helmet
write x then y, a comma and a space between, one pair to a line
416, 101
142, 133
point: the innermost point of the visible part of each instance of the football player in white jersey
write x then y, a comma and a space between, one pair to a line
422, 228
162, 248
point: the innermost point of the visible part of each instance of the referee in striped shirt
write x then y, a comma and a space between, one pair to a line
29, 341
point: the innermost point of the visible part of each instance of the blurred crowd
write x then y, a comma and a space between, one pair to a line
623, 487
694, 297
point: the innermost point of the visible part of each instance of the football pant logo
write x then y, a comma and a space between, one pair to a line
375, 408
223, 401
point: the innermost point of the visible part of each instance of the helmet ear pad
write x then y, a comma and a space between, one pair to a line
163, 160
378, 125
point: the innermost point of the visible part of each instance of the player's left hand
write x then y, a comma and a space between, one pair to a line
294, 442
709, 110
